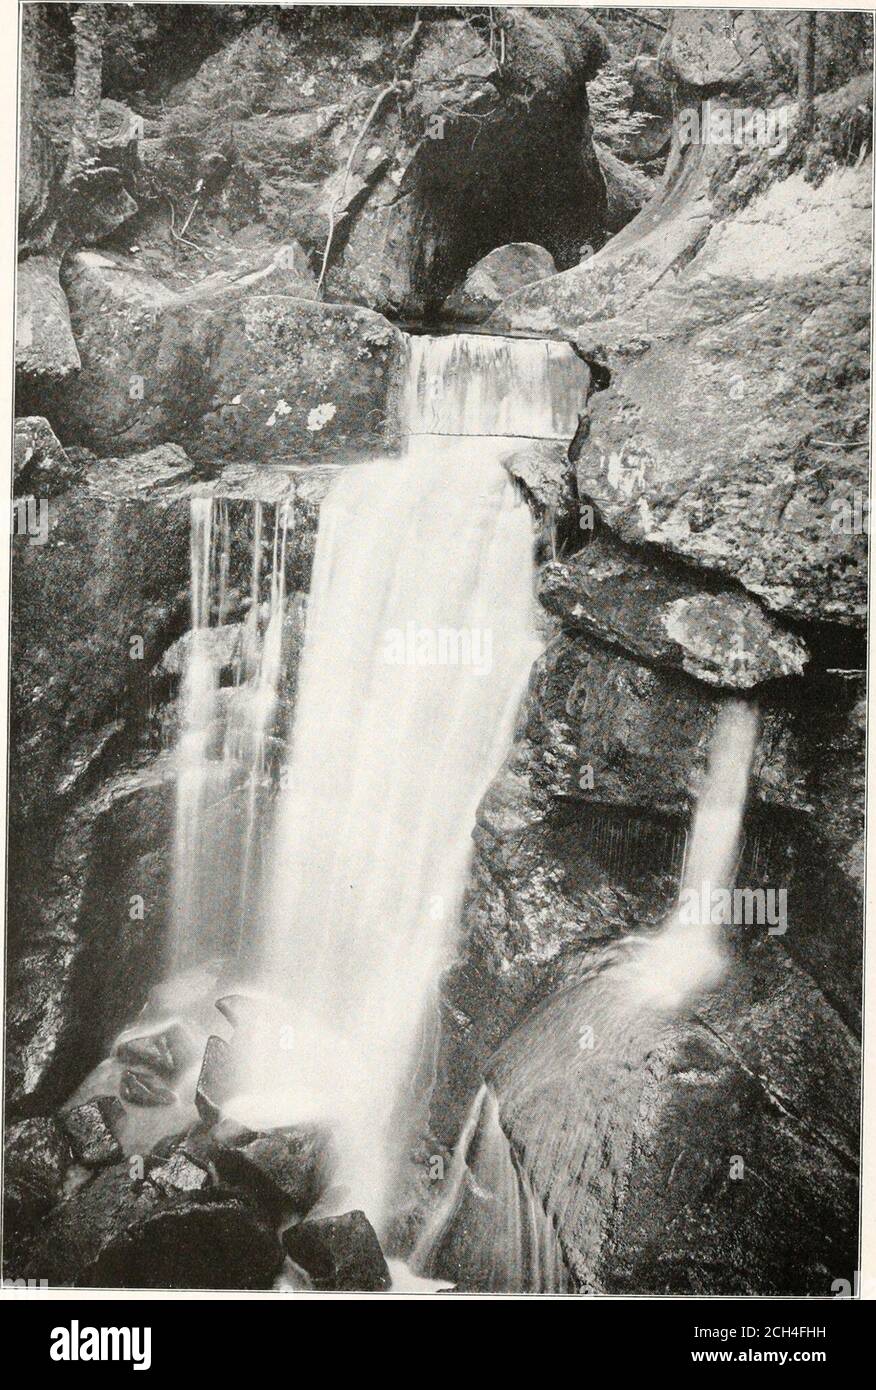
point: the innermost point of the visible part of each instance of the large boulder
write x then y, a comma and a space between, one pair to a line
734, 293
235, 371
494, 278
44, 345
119, 1232
339, 1253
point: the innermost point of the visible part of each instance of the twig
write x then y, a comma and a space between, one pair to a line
178, 236
378, 102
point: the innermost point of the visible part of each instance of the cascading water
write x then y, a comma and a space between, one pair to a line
564, 1090
419, 641
476, 384
212, 763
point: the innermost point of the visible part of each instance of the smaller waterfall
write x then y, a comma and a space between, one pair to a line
508, 1244
224, 730
198, 705
475, 384
564, 1090
687, 956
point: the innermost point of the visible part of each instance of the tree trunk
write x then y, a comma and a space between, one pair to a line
89, 24
806, 73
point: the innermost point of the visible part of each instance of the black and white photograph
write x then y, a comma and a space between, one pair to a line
439, 448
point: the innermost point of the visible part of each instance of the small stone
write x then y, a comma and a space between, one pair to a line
179, 1174
142, 1088
339, 1253
92, 1129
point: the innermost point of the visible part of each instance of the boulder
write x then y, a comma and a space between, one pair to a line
752, 314
45, 349
179, 1173
339, 1253
142, 1087
495, 277
120, 1233
665, 617
167, 1050
40, 465
215, 1081
233, 370
92, 1129
739, 52
286, 1170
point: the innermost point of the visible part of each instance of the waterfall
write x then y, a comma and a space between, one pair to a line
223, 732
477, 384
564, 1089
197, 702
419, 640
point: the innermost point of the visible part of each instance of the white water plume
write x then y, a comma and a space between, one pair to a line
687, 955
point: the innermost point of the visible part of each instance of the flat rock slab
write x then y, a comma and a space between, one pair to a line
664, 615
214, 1081
339, 1253
500, 273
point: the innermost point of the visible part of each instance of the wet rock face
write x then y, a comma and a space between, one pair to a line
36, 1156
695, 1144
494, 277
